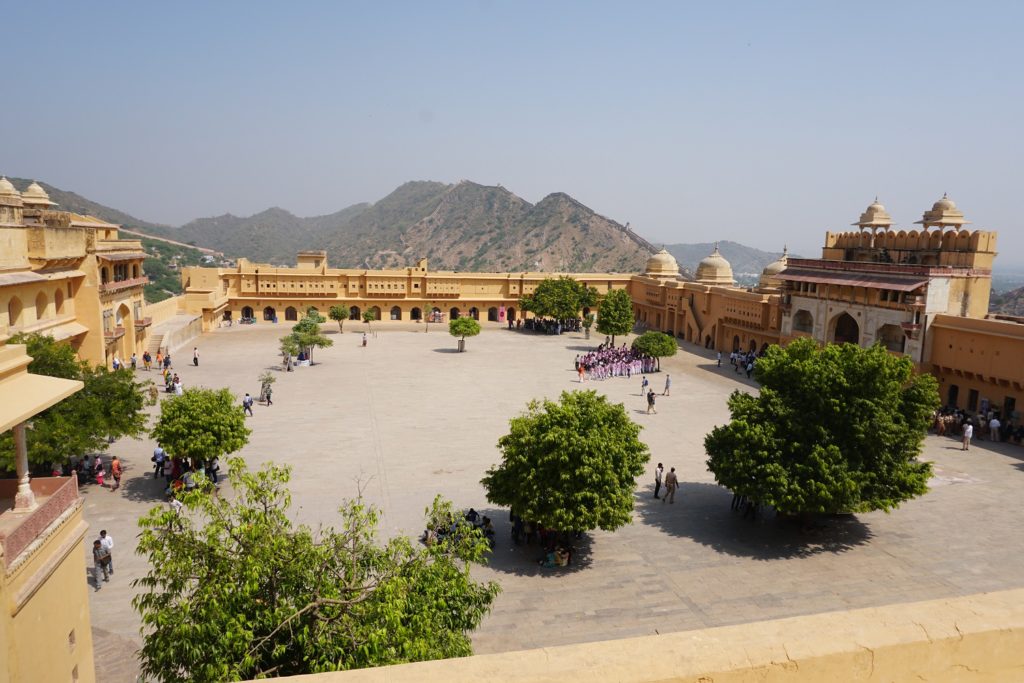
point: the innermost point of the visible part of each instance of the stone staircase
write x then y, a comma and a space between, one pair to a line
155, 342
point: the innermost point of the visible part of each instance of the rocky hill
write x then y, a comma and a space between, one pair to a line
465, 226
1007, 303
76, 203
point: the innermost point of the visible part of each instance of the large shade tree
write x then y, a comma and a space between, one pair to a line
306, 334
236, 590
109, 406
570, 464
560, 298
201, 424
834, 429
615, 316
657, 345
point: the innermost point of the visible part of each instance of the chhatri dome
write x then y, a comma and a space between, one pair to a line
875, 216
943, 214
662, 264
714, 269
7, 188
35, 195
768, 279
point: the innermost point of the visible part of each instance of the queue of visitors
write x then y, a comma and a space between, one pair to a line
987, 424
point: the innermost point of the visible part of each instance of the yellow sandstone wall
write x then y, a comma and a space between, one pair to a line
164, 310
978, 638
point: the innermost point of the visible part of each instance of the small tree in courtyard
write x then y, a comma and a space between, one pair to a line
307, 334
463, 327
368, 317
570, 465
236, 590
561, 298
201, 424
656, 345
615, 315
339, 314
834, 429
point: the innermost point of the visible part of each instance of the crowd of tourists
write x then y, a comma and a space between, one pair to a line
982, 425
741, 361
545, 326
608, 360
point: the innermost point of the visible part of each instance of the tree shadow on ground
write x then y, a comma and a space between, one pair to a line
581, 348
522, 560
143, 488
702, 512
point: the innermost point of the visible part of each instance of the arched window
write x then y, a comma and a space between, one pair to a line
58, 301
291, 314
492, 314
416, 314
41, 302
803, 321
14, 311
892, 338
396, 313
354, 313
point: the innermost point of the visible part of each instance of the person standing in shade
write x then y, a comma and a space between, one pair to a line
718, 357
671, 484
993, 428
247, 404
658, 472
668, 386
159, 459
100, 558
195, 356
107, 541
650, 403
968, 433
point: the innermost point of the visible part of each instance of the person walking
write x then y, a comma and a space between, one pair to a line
650, 402
159, 360
659, 472
159, 460
107, 541
134, 362
117, 363
364, 339
993, 428
100, 558
270, 390
167, 362
968, 433
195, 356
247, 404
643, 386
718, 357
147, 360
668, 386
115, 472
98, 472
671, 484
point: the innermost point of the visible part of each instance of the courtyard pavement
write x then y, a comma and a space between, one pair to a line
408, 418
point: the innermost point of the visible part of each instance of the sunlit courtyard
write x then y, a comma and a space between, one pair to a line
406, 418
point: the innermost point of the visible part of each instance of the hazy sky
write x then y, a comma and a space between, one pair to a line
761, 122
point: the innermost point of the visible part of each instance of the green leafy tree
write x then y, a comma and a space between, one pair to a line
656, 344
307, 335
289, 349
463, 327
201, 424
834, 429
236, 590
369, 317
561, 298
615, 316
110, 405
588, 321
314, 313
339, 314
570, 465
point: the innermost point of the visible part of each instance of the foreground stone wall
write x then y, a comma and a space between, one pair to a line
975, 638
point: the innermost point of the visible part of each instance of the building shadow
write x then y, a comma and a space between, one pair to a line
524, 559
702, 512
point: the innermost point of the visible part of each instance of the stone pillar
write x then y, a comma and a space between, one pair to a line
24, 499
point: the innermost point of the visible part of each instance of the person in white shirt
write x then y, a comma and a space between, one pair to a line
107, 541
993, 428
658, 472
968, 433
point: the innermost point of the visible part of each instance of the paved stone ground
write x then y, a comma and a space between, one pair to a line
410, 418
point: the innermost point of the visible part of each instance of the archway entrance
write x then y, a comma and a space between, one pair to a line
454, 313
586, 311
510, 313
803, 321
247, 312
416, 314
492, 314
269, 313
892, 338
954, 396
291, 314
736, 343
376, 312
354, 313
846, 330
474, 313
753, 345
396, 313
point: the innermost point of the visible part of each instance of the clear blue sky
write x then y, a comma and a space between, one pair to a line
761, 122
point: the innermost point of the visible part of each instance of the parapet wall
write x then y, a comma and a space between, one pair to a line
975, 638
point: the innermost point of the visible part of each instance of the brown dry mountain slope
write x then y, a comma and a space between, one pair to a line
464, 226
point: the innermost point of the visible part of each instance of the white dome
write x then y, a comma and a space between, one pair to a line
714, 269
35, 195
7, 188
768, 278
662, 264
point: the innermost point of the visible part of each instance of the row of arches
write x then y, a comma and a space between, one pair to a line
120, 272
949, 240
291, 313
844, 329
16, 310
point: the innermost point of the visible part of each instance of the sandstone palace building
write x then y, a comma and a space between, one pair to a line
921, 292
